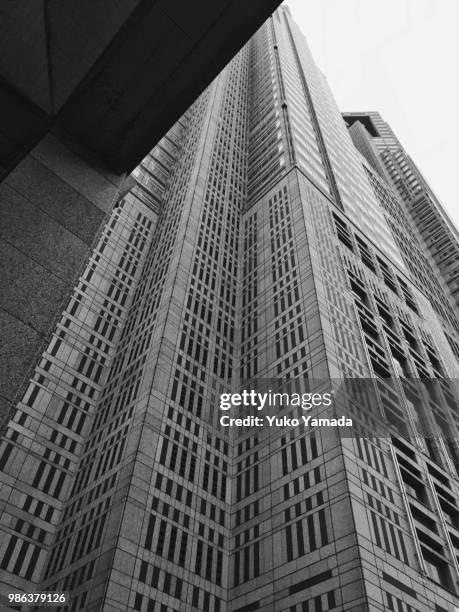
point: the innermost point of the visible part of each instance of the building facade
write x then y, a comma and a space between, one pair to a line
436, 232
257, 247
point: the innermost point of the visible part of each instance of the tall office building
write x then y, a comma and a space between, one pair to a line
258, 248
437, 233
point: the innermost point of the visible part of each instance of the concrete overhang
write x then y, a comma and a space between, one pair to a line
363, 118
114, 74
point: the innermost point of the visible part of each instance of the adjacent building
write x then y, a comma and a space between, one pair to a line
257, 248
437, 233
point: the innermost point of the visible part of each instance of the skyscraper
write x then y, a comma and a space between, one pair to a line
438, 234
257, 247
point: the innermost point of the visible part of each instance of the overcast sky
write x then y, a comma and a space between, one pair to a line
399, 57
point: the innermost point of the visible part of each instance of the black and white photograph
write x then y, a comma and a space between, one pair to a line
229, 323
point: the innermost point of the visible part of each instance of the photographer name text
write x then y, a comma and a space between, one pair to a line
269, 400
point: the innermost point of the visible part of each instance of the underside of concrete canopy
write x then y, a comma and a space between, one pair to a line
116, 74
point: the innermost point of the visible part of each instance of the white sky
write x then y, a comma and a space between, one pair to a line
401, 58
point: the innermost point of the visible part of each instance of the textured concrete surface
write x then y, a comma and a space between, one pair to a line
51, 209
